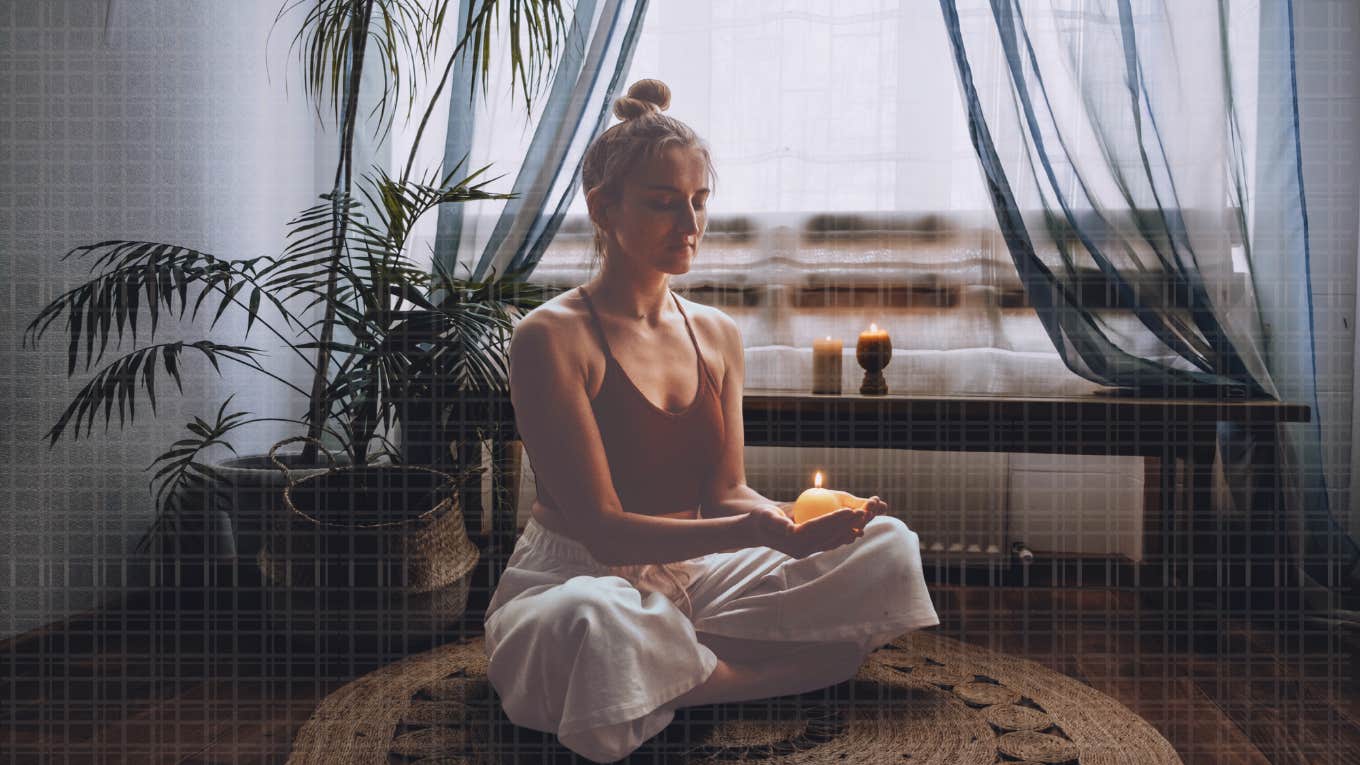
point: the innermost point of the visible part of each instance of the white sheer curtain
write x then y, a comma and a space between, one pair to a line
818, 106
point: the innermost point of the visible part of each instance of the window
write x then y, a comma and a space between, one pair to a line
848, 189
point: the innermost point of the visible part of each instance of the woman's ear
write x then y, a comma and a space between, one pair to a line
595, 204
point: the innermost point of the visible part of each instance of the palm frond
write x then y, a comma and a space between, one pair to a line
398, 31
310, 261
532, 28
118, 382
400, 203
181, 474
161, 273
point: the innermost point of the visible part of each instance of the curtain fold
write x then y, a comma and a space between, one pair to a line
1118, 144
1081, 174
596, 55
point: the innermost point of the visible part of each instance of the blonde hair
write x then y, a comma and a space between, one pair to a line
642, 135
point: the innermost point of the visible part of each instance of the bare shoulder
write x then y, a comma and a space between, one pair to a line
718, 332
561, 319
555, 315
556, 332
715, 324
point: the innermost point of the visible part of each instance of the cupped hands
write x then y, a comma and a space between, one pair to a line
774, 527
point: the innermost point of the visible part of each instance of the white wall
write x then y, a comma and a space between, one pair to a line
170, 131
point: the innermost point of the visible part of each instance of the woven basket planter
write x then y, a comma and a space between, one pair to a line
367, 551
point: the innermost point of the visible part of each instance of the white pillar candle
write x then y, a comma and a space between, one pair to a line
826, 365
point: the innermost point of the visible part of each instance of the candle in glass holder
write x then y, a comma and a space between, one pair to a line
826, 365
819, 501
873, 352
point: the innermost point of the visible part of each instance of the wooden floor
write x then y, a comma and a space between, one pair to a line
148, 683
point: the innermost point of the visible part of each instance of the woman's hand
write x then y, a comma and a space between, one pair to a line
768, 526
874, 504
875, 507
825, 532
772, 526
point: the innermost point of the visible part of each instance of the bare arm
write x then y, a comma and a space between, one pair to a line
553, 414
728, 493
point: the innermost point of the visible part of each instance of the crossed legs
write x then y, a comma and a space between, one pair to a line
760, 669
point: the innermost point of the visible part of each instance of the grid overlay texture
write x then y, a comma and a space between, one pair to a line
163, 131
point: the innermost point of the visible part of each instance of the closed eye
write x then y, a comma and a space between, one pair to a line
658, 204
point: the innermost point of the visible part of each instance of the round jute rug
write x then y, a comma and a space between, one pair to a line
924, 700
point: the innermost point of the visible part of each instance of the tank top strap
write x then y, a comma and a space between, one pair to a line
595, 319
703, 365
704, 371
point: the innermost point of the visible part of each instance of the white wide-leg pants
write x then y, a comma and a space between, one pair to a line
592, 653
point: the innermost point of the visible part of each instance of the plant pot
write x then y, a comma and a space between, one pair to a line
422, 441
191, 554
364, 552
205, 553
254, 493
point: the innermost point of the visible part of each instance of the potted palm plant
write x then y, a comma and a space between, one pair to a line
387, 326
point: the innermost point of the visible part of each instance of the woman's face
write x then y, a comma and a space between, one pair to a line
660, 213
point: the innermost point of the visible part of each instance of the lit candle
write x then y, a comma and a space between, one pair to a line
818, 501
873, 352
826, 365
874, 334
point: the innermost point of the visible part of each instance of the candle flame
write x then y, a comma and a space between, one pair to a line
873, 327
828, 337
817, 480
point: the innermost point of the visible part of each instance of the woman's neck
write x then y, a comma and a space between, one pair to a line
633, 298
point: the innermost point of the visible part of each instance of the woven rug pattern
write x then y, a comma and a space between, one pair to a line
924, 700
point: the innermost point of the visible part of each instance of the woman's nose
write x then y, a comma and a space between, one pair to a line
689, 221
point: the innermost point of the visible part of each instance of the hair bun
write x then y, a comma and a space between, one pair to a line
643, 96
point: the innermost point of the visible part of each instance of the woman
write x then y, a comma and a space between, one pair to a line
650, 577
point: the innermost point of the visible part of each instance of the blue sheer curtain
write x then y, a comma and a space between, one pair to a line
596, 56
1083, 174
1117, 152
1281, 262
